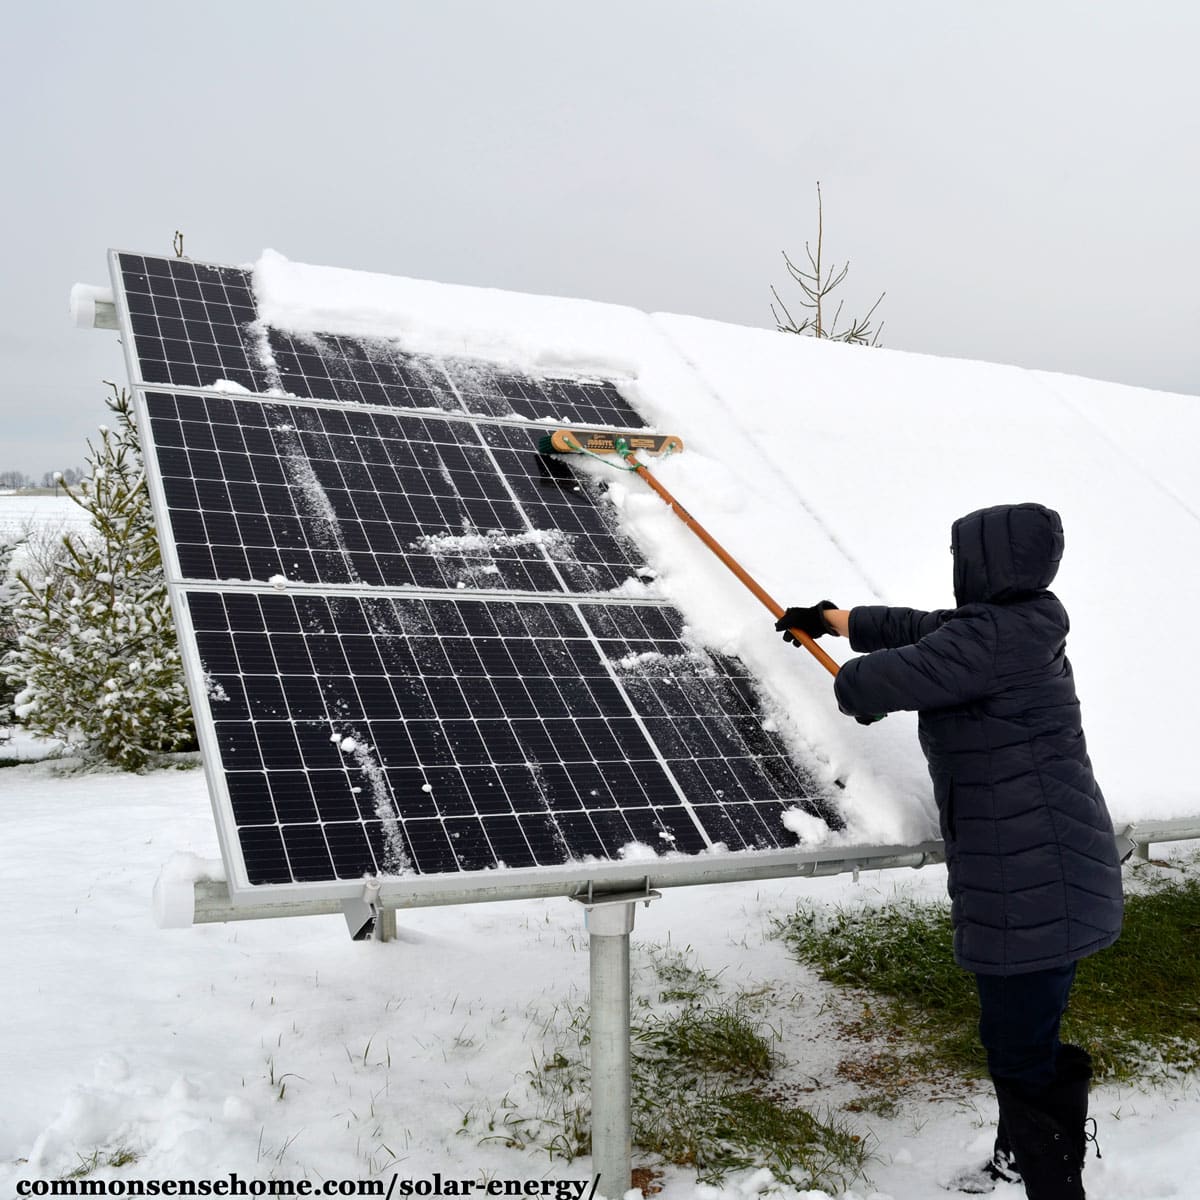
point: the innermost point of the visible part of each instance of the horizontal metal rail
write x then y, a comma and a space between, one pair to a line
182, 903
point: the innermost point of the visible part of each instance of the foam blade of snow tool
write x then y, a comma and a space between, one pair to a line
604, 441
568, 441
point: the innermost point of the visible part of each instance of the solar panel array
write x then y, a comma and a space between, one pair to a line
411, 637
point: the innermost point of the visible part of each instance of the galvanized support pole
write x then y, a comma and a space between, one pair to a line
385, 925
609, 922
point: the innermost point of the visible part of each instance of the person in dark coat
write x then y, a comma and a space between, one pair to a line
1033, 870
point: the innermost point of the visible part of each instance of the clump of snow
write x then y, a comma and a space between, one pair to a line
635, 662
637, 852
396, 861
474, 542
636, 588
470, 557
185, 867
809, 830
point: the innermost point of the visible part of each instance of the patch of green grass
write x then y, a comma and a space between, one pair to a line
702, 1091
716, 1128
680, 976
713, 1039
118, 1156
1135, 1006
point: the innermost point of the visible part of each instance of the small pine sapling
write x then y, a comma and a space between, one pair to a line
8, 632
816, 284
97, 661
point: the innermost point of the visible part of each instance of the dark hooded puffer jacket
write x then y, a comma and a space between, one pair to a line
1034, 875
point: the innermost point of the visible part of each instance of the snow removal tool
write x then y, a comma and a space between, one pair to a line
598, 443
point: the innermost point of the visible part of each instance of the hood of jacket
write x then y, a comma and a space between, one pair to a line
1004, 552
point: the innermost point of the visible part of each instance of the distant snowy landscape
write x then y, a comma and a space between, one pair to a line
281, 1048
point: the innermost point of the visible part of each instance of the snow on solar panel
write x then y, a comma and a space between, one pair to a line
413, 641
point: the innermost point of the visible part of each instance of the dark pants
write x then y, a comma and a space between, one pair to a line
1019, 1020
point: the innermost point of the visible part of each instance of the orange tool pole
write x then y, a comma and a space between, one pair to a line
728, 559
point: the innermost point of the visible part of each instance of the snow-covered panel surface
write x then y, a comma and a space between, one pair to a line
1157, 432
883, 450
281, 1049
836, 471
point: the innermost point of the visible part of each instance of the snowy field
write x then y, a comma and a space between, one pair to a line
40, 519
21, 514
175, 1045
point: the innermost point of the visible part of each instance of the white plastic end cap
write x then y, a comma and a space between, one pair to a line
174, 902
84, 300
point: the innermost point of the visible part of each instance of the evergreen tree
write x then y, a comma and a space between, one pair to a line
8, 630
97, 661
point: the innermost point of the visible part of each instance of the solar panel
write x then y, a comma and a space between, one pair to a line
196, 325
192, 324
411, 644
259, 490
457, 735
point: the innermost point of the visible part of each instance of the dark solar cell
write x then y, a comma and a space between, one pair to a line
491, 391
360, 371
193, 325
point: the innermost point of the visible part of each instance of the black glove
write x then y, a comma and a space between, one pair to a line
809, 620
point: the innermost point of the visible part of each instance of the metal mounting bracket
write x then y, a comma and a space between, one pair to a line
362, 913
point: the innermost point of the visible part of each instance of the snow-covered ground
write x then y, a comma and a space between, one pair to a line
36, 523
176, 1045
20, 515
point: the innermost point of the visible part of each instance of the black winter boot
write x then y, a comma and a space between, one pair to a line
1046, 1128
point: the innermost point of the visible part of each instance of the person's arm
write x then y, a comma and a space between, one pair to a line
952, 665
883, 627
838, 620
869, 627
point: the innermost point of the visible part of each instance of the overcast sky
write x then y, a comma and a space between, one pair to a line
1023, 179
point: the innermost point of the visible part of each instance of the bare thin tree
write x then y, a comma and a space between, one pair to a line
816, 284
